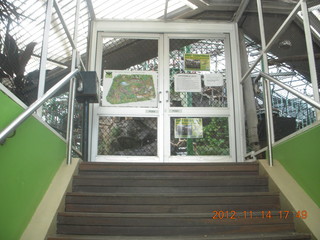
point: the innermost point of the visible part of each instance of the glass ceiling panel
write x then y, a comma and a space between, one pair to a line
134, 9
30, 27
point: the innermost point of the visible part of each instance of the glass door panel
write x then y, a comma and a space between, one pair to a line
210, 139
200, 115
164, 98
129, 110
127, 136
204, 57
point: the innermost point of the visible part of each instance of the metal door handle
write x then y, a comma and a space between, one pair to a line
160, 97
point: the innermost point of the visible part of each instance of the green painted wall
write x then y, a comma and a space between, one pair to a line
28, 162
300, 156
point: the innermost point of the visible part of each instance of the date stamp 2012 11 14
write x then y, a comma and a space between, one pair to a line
303, 214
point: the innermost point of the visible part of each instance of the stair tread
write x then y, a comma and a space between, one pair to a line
173, 202
168, 181
173, 167
158, 215
166, 164
227, 194
136, 215
167, 177
274, 236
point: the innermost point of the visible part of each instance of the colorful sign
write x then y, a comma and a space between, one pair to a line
128, 88
196, 62
188, 128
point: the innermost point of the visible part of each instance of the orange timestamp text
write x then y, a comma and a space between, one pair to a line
303, 214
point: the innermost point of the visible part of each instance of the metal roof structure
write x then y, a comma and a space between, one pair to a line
30, 26
288, 58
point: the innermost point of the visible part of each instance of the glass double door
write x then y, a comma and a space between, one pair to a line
165, 98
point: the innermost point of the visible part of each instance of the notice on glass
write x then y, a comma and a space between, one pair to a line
187, 83
213, 80
196, 62
188, 128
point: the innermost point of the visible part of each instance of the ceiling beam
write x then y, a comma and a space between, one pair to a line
218, 7
314, 22
238, 14
91, 10
166, 10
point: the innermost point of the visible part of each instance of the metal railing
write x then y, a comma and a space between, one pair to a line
267, 77
11, 128
301, 5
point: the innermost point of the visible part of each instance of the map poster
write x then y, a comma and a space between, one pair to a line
129, 88
188, 128
196, 62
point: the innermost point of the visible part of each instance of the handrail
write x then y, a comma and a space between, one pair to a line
309, 100
289, 89
35, 106
267, 78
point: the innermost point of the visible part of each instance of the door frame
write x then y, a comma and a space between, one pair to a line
157, 28
199, 111
125, 111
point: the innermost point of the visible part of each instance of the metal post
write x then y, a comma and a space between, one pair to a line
72, 93
248, 97
91, 10
85, 131
64, 25
166, 10
266, 87
44, 53
72, 89
311, 58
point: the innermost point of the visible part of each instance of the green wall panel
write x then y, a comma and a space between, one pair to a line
28, 162
300, 156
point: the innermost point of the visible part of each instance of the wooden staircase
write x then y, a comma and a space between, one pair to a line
172, 201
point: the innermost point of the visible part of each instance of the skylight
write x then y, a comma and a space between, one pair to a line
137, 9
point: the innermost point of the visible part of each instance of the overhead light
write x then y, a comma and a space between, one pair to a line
285, 44
189, 4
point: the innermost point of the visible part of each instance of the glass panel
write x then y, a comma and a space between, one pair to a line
134, 84
136, 9
130, 136
130, 54
130, 82
204, 58
199, 136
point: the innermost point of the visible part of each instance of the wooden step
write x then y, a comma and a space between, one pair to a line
169, 169
170, 184
169, 224
254, 236
170, 203
131, 201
